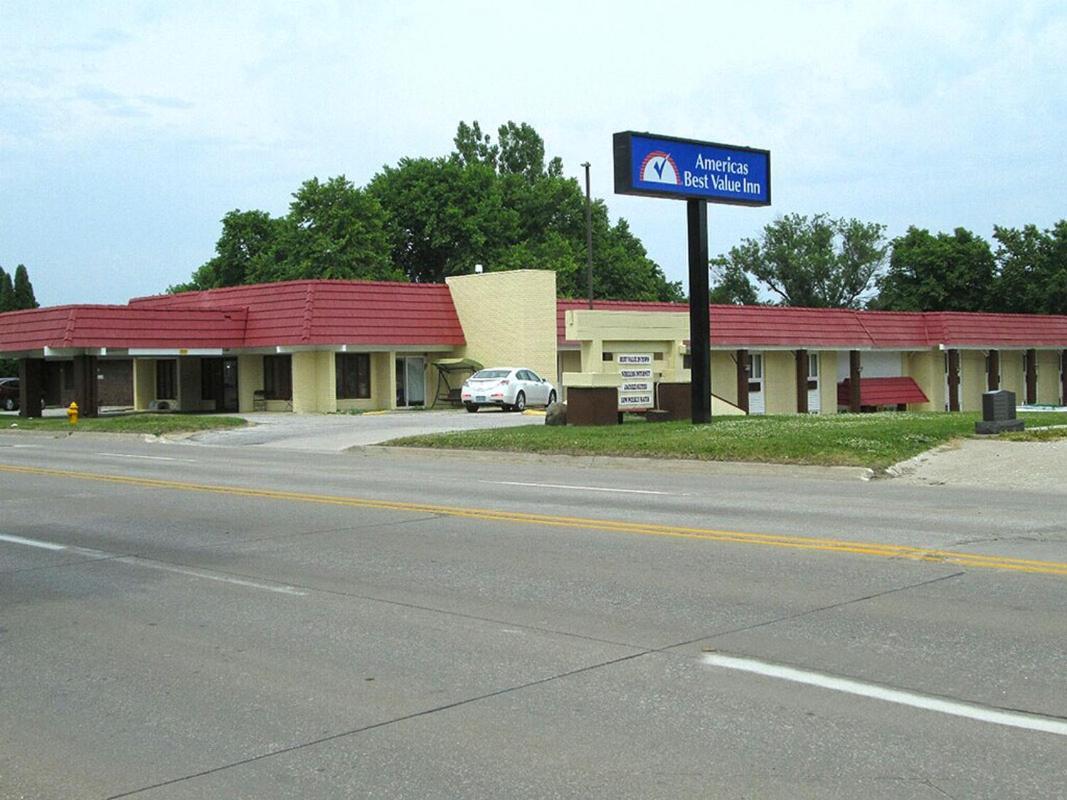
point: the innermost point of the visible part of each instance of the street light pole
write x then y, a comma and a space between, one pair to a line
588, 234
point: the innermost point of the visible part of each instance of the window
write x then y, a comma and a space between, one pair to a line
353, 375
167, 379
278, 377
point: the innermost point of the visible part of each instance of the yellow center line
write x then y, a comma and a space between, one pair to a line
584, 523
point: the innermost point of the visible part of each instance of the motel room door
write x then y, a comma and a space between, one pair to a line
219, 382
814, 406
756, 403
410, 381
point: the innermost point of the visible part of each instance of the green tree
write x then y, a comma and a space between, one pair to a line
497, 203
817, 262
248, 237
946, 272
23, 289
7, 292
474, 147
1033, 269
333, 230
732, 285
443, 215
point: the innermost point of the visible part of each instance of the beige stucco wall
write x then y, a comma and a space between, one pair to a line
779, 382
1012, 374
724, 375
383, 375
508, 318
828, 380
144, 382
249, 379
1048, 377
927, 369
314, 382
569, 361
972, 379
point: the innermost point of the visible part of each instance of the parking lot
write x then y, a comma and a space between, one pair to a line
337, 432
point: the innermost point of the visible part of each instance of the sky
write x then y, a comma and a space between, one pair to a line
128, 129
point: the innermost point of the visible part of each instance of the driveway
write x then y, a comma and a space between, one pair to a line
992, 463
337, 432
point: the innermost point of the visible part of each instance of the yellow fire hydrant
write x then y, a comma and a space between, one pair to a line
72, 414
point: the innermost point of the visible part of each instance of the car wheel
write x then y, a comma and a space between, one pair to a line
520, 402
471, 407
551, 399
9, 404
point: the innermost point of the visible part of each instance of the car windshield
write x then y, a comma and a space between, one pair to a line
489, 374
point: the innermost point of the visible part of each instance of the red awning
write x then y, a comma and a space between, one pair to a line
883, 392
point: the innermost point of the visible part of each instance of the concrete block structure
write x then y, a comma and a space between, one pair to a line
322, 346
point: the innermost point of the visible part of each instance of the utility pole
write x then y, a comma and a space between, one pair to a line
588, 234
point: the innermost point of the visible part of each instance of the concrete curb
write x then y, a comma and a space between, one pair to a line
689, 466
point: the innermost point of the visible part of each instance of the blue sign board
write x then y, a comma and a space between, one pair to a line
664, 166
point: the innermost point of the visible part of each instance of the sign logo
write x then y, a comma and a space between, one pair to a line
659, 167
685, 169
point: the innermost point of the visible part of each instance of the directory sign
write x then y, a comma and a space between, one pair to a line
684, 169
636, 386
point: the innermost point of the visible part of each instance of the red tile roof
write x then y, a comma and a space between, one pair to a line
755, 327
1002, 330
292, 313
883, 392
333, 312
381, 314
119, 327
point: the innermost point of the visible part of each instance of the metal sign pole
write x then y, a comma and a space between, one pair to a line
699, 312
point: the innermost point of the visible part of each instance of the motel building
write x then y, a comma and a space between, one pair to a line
321, 346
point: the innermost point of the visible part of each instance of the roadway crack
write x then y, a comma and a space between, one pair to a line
383, 724
819, 610
936, 788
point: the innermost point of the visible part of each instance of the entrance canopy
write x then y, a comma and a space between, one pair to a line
883, 392
446, 367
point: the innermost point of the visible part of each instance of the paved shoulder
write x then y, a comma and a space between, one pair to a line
996, 464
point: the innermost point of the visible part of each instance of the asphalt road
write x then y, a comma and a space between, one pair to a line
183, 621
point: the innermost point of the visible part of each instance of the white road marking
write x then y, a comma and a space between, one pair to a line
1031, 722
580, 488
279, 588
146, 458
31, 542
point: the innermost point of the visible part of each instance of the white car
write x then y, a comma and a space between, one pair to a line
510, 388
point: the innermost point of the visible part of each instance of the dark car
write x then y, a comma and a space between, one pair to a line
9, 393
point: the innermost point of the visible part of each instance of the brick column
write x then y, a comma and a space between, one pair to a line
742, 380
801, 357
854, 368
993, 377
953, 380
31, 386
1031, 377
85, 389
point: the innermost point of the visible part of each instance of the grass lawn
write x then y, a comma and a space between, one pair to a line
155, 424
866, 440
